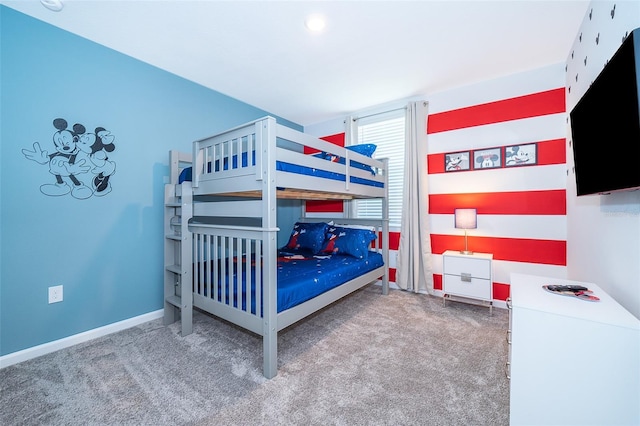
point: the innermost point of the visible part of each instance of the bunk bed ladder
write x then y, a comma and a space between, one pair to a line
178, 295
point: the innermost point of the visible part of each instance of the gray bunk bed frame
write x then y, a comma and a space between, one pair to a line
241, 191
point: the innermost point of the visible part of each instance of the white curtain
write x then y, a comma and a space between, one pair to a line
414, 272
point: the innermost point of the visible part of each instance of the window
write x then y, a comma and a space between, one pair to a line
387, 132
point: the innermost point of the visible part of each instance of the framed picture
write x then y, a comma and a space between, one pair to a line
521, 155
487, 158
457, 161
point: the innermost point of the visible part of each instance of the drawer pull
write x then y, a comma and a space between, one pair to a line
465, 277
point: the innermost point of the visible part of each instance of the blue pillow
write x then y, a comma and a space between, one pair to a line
365, 149
349, 241
185, 175
307, 236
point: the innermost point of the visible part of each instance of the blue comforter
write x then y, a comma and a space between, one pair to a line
300, 277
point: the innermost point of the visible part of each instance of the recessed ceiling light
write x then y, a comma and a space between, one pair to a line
315, 23
54, 5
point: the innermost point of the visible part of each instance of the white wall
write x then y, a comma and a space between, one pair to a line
603, 244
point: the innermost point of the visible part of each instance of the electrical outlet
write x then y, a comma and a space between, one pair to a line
55, 294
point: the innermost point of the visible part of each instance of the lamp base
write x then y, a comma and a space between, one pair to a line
466, 250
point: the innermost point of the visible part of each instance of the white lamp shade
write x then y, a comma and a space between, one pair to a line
466, 218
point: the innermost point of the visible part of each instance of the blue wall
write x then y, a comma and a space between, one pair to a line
106, 250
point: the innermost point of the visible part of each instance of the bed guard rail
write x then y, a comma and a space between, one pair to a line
231, 269
248, 150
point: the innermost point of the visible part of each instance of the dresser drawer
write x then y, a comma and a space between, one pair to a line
476, 288
458, 265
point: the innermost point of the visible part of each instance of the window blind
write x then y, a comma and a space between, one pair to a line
387, 132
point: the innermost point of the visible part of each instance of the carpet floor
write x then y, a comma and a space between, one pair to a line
401, 359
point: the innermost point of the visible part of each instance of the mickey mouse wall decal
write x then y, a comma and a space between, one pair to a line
79, 164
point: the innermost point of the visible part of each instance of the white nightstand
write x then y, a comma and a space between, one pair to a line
468, 276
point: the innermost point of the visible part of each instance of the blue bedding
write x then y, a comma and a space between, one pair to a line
186, 174
300, 277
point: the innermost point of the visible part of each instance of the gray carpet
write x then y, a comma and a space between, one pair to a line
403, 359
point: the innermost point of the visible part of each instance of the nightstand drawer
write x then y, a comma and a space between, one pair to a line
476, 288
458, 265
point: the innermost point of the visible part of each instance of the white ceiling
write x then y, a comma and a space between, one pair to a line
370, 53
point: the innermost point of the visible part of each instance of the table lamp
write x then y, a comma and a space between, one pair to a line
465, 219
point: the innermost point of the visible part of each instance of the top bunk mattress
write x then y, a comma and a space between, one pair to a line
186, 175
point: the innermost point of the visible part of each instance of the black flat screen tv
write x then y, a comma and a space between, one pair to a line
605, 125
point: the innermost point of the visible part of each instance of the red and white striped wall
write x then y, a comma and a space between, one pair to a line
521, 210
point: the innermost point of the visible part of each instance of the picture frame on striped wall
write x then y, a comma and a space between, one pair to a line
490, 158
457, 161
521, 155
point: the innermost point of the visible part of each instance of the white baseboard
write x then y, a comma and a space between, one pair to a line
499, 304
496, 303
438, 293
56, 345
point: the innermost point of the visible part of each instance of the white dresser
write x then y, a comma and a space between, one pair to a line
468, 276
572, 362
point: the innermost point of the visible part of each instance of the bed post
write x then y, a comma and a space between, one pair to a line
186, 262
266, 141
385, 228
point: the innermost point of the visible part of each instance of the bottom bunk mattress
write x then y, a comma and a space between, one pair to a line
300, 278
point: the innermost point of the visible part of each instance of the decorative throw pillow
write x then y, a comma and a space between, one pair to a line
349, 241
365, 149
307, 236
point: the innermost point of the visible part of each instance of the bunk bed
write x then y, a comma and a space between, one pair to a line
221, 253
